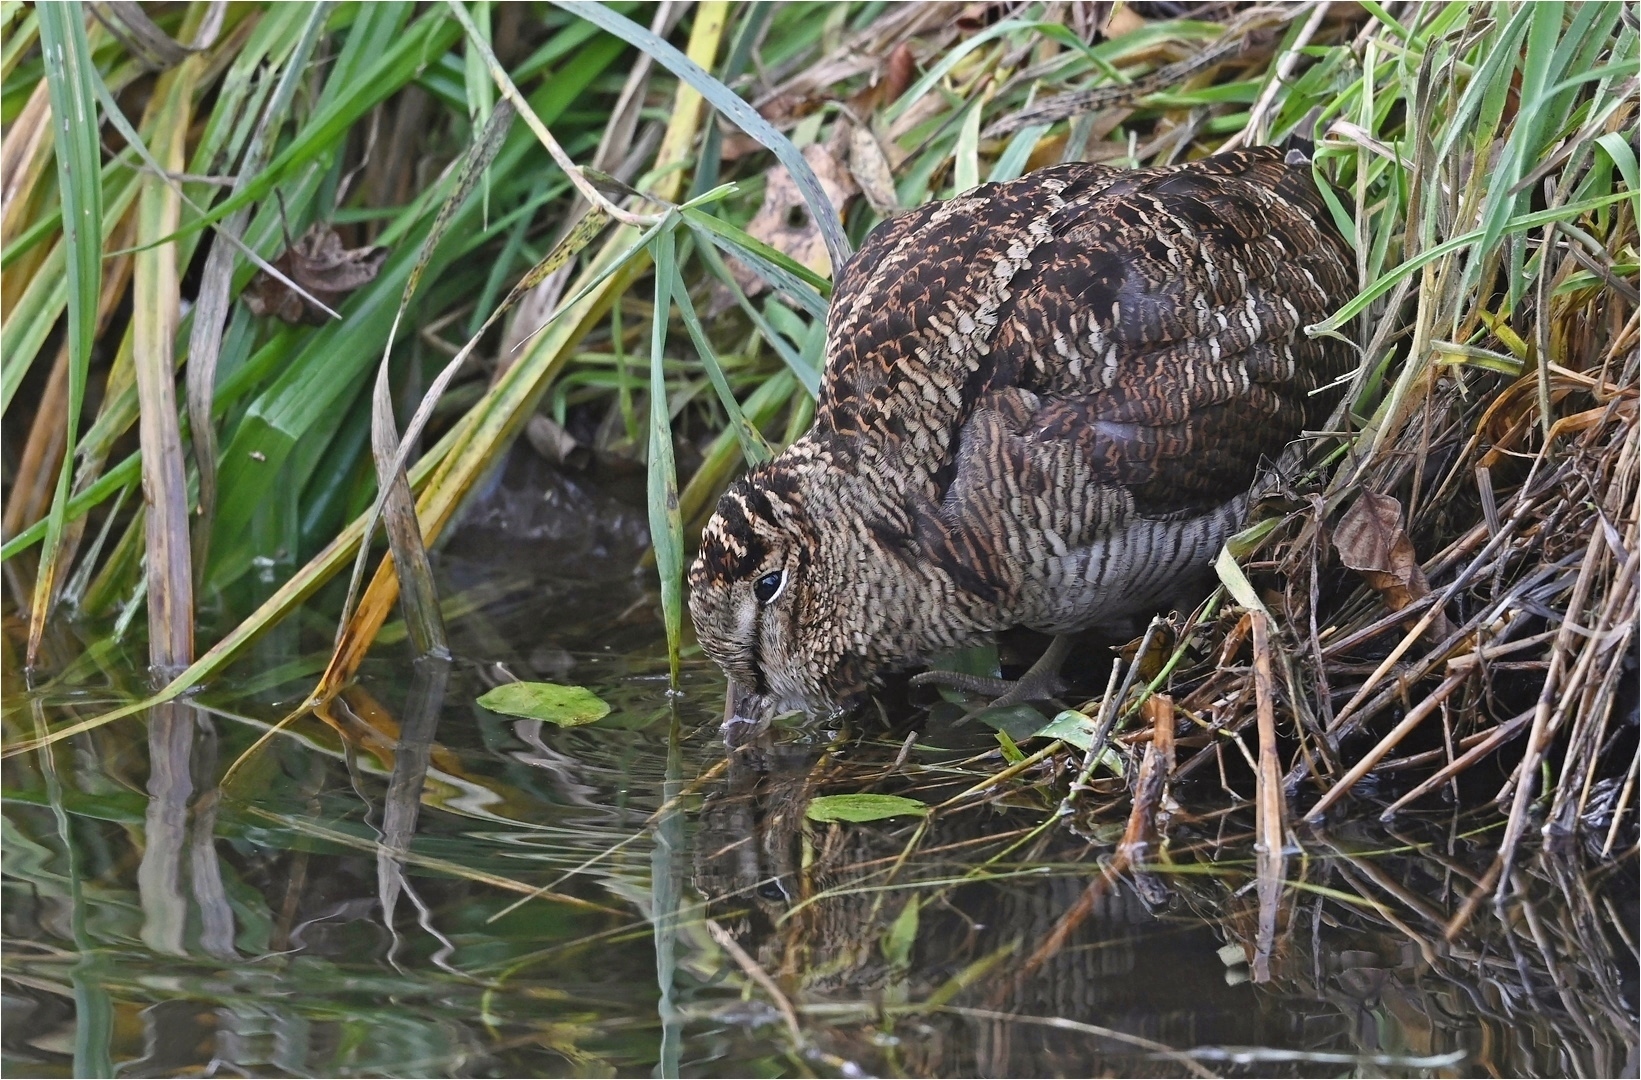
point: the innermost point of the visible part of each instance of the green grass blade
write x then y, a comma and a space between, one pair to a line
722, 457
966, 154
808, 374
1012, 162
727, 102
753, 447
1489, 85
1622, 152
666, 525
70, 77
78, 506
776, 267
388, 72
1389, 280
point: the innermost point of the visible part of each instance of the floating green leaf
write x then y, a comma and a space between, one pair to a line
863, 807
1070, 727
1078, 729
566, 706
1016, 721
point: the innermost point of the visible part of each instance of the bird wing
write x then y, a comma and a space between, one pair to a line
1158, 313
1142, 361
1163, 326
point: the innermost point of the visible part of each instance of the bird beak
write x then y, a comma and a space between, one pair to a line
745, 715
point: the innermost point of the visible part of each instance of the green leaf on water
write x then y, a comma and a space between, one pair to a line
1070, 727
1077, 729
566, 706
1015, 721
863, 807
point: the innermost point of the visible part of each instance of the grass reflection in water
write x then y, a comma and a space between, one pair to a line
413, 886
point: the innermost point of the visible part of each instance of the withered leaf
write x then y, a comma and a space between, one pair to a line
784, 221
869, 167
1123, 20
902, 69
320, 264
553, 443
1371, 540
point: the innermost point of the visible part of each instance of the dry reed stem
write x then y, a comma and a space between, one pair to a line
1270, 806
1365, 764
155, 315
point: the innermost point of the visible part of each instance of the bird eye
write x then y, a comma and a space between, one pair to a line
768, 587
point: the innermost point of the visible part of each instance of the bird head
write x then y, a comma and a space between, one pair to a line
762, 598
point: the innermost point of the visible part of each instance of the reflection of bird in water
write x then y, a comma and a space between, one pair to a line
1044, 404
814, 904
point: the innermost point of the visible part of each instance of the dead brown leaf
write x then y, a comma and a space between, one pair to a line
320, 264
555, 444
784, 221
1371, 540
902, 68
869, 167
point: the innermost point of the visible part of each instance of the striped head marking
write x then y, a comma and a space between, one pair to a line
748, 593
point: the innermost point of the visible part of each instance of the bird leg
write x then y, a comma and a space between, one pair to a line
1040, 682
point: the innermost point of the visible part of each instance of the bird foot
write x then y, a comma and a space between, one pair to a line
1042, 682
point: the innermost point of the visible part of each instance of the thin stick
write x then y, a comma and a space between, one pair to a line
1386, 745
1622, 805
757, 974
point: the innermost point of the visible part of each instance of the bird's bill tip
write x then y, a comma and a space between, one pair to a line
746, 715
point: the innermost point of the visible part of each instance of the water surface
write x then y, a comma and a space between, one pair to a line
413, 886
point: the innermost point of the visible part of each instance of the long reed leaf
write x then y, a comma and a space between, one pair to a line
727, 102
417, 594
157, 296
666, 527
753, 447
69, 75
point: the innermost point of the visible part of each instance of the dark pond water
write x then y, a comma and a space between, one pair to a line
422, 888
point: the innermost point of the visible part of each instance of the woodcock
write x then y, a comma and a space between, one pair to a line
1044, 404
